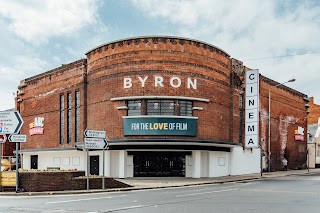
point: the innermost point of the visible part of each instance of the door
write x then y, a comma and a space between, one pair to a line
159, 164
34, 161
94, 165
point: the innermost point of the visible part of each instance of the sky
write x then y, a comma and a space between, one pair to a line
281, 38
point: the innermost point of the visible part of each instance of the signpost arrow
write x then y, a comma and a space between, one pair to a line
10, 122
94, 134
17, 138
95, 143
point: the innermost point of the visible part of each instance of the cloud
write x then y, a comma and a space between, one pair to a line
251, 29
37, 21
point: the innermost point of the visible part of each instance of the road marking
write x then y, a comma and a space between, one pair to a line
129, 207
69, 201
202, 193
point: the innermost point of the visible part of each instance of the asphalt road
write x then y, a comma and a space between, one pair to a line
286, 194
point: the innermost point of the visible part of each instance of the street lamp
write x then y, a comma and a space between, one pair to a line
269, 120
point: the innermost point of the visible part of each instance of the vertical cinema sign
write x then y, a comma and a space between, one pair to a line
252, 109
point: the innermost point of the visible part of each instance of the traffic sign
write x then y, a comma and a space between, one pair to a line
3, 138
95, 143
17, 138
10, 122
94, 134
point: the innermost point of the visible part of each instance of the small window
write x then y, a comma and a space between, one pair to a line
134, 107
160, 107
61, 119
185, 108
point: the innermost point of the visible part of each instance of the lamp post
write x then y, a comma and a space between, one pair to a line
269, 120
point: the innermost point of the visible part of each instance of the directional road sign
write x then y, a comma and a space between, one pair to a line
95, 143
10, 122
94, 134
17, 138
3, 139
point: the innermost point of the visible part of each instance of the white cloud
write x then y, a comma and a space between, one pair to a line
36, 21
252, 29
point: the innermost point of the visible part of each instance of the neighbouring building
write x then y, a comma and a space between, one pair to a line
314, 134
170, 106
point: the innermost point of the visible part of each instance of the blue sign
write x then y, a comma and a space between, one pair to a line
0, 129
160, 126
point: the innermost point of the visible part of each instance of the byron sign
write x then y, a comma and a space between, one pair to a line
160, 126
158, 81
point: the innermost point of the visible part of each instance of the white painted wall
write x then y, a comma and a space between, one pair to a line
196, 164
130, 166
188, 167
64, 160
245, 161
200, 164
123, 163
204, 164
218, 164
114, 163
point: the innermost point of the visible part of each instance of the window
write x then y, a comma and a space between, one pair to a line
61, 119
160, 107
77, 117
69, 117
134, 107
185, 108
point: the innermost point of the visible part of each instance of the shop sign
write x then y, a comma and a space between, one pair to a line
158, 81
252, 109
298, 137
8, 178
160, 126
299, 134
3, 138
36, 127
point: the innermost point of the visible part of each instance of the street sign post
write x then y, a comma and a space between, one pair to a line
10, 122
17, 138
95, 139
94, 134
95, 143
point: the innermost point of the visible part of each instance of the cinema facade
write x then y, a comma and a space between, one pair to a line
170, 106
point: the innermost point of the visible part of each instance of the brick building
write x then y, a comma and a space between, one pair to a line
314, 134
170, 107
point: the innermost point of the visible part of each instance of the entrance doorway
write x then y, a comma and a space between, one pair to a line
159, 164
34, 161
94, 165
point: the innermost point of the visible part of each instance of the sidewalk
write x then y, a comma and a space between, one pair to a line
166, 182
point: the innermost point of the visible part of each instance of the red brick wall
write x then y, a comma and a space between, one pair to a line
61, 181
314, 112
109, 64
41, 98
287, 113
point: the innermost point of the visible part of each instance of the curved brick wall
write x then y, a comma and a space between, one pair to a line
167, 57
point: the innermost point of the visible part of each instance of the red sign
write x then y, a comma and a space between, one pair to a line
36, 131
298, 137
3, 138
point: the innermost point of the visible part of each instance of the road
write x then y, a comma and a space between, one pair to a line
292, 194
